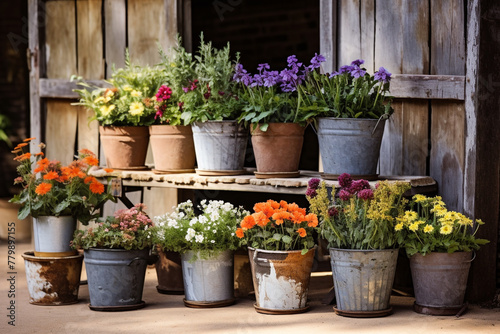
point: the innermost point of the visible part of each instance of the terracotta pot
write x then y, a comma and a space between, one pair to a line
125, 147
173, 148
277, 150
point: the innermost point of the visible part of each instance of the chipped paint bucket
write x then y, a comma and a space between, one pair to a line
53, 280
363, 281
115, 278
169, 273
440, 281
52, 235
281, 280
208, 282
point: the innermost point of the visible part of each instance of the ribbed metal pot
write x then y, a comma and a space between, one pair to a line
350, 145
115, 278
363, 278
53, 280
52, 235
440, 281
208, 282
220, 147
281, 280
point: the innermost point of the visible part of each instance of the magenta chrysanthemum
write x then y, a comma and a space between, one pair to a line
345, 180
358, 185
365, 194
344, 195
313, 183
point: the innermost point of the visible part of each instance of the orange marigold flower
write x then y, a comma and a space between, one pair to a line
51, 176
20, 145
16, 151
38, 170
73, 171
43, 188
248, 222
302, 232
43, 162
260, 218
109, 170
63, 178
280, 216
91, 160
312, 220
284, 205
86, 152
25, 156
29, 139
275, 205
96, 187
89, 179
39, 154
240, 233
298, 217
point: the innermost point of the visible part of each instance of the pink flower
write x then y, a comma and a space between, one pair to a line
345, 180
311, 192
358, 185
365, 194
333, 211
344, 195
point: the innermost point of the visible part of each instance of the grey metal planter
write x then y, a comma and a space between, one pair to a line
220, 147
115, 278
52, 235
208, 282
350, 145
363, 281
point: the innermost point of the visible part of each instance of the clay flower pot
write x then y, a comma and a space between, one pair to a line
173, 148
125, 147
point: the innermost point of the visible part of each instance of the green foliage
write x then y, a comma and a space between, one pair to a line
129, 229
432, 228
4, 125
130, 99
209, 233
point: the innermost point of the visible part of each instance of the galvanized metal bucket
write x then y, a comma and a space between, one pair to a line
350, 145
52, 235
440, 281
53, 280
208, 282
281, 280
115, 278
220, 147
363, 281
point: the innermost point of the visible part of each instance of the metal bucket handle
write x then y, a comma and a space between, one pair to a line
383, 117
135, 259
473, 257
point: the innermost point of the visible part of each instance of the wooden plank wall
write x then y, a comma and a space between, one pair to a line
88, 37
424, 137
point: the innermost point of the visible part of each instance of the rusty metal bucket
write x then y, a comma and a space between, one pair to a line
363, 281
169, 273
53, 280
281, 280
440, 281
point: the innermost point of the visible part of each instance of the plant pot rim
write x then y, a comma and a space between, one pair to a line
213, 121
114, 249
351, 119
363, 250
280, 251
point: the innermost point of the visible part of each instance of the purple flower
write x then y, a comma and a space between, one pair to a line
357, 62
333, 211
334, 74
310, 192
313, 183
359, 185
345, 180
358, 72
185, 89
382, 75
317, 60
365, 194
239, 72
292, 59
270, 78
264, 66
344, 195
346, 69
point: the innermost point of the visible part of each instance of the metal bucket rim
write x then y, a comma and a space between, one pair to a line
30, 255
364, 250
114, 249
279, 251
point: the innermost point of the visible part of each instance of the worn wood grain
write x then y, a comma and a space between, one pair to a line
115, 32
328, 34
90, 65
441, 87
34, 59
61, 121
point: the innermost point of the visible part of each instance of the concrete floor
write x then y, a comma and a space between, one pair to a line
167, 313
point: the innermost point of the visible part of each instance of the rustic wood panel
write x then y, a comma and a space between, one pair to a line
60, 35
34, 70
449, 87
90, 65
448, 123
328, 34
63, 88
402, 47
357, 32
115, 30
142, 43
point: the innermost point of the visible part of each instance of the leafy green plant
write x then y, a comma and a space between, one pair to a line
358, 217
130, 99
212, 95
429, 227
278, 226
209, 233
4, 124
50, 189
129, 229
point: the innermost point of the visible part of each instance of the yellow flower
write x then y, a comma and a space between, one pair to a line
420, 222
439, 210
106, 110
428, 228
398, 227
127, 88
446, 229
411, 216
136, 93
419, 198
99, 99
414, 227
136, 108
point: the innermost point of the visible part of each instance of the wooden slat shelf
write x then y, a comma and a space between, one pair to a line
248, 182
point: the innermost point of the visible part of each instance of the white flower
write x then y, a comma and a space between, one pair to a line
199, 238
190, 234
212, 241
172, 223
193, 221
214, 216
203, 219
